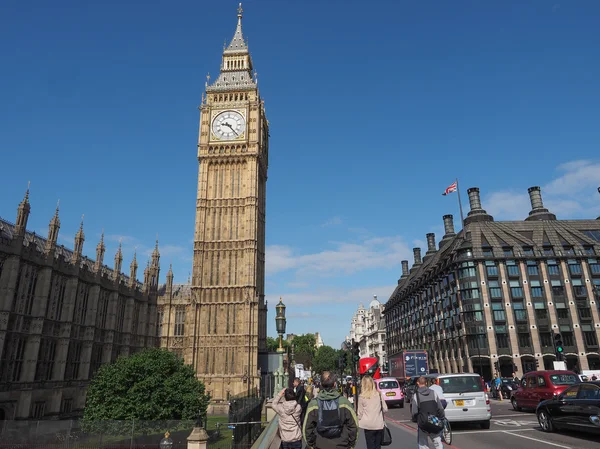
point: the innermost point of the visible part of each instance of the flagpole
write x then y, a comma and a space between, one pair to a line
462, 217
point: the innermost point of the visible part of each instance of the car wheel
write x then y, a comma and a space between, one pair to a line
485, 424
513, 401
545, 421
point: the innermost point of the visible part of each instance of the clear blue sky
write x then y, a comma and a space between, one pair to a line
375, 108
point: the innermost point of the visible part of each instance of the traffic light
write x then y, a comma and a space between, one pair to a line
497, 366
558, 346
355, 351
537, 363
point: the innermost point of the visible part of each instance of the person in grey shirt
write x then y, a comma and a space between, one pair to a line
435, 386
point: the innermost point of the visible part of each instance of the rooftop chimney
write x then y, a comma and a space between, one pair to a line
448, 226
404, 269
448, 230
417, 254
477, 213
538, 211
431, 248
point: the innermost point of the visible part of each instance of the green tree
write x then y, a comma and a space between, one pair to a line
150, 385
304, 349
326, 359
273, 344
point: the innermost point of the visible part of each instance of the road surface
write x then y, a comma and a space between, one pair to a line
509, 430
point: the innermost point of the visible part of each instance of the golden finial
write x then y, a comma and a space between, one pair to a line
240, 11
167, 434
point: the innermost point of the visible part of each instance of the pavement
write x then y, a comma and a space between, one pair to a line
509, 430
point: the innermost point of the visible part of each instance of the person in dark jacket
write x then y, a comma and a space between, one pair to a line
300, 395
347, 418
422, 396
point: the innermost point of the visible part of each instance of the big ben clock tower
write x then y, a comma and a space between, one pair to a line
228, 327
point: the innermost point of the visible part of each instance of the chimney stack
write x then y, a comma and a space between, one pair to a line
538, 211
431, 248
477, 213
404, 269
417, 254
448, 226
448, 230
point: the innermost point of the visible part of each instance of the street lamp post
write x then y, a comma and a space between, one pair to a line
280, 322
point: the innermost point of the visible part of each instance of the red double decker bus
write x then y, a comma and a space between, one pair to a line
370, 366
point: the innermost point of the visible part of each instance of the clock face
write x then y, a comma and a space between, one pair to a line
228, 125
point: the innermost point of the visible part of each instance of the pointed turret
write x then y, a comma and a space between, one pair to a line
133, 271
78, 247
155, 256
236, 65
147, 276
118, 262
170, 279
100, 253
53, 229
23, 214
238, 44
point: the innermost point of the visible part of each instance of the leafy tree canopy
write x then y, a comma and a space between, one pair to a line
273, 344
151, 385
325, 359
305, 344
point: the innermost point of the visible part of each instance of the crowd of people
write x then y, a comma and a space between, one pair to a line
321, 415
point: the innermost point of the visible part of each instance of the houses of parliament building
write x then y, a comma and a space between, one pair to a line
62, 314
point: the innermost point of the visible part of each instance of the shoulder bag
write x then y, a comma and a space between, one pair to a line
386, 439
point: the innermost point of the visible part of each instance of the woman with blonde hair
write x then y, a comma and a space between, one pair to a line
371, 407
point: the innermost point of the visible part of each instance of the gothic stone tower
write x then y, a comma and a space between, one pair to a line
229, 312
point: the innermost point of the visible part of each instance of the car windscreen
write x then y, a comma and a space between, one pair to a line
461, 384
564, 379
388, 385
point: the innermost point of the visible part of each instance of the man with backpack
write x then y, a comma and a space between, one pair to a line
330, 421
426, 407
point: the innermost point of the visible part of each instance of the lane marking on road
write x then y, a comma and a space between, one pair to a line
469, 432
513, 422
538, 440
506, 416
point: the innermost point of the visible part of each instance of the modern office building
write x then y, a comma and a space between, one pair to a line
501, 292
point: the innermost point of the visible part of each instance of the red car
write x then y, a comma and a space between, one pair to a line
538, 386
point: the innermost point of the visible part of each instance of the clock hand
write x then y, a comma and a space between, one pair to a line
231, 128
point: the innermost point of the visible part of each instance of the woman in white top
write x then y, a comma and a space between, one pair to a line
371, 407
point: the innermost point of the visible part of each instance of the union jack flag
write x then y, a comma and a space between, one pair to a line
451, 188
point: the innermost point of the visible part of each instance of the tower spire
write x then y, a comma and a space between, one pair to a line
53, 229
23, 214
238, 43
79, 239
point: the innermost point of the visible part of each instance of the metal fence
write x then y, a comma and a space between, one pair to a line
74, 434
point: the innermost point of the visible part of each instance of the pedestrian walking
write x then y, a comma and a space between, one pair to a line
371, 408
426, 407
437, 389
300, 396
290, 425
330, 421
498, 385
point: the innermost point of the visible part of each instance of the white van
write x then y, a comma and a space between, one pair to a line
467, 401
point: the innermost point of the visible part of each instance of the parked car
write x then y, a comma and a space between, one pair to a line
466, 397
538, 386
576, 408
390, 388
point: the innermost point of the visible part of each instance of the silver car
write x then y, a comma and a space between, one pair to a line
467, 401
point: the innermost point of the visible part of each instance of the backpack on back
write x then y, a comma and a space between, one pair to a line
329, 424
427, 418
